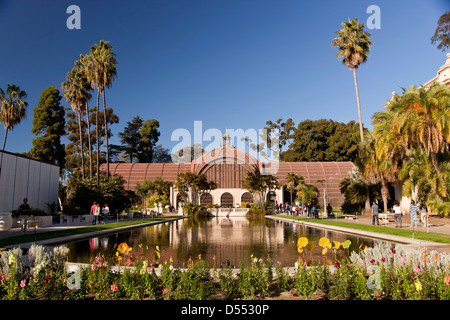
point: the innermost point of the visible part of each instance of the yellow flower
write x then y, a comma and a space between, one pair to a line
418, 285
301, 243
325, 244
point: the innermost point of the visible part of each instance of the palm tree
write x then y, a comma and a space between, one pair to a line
12, 107
76, 92
354, 45
423, 120
292, 181
259, 185
374, 169
101, 70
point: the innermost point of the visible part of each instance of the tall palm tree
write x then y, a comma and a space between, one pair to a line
354, 45
13, 108
76, 92
101, 70
423, 119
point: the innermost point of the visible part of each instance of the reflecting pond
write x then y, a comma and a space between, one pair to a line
225, 241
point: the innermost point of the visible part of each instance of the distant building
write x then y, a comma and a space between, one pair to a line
443, 74
228, 166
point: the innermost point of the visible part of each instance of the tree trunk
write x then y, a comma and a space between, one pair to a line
106, 133
98, 142
367, 203
89, 140
438, 171
81, 145
384, 194
4, 139
361, 132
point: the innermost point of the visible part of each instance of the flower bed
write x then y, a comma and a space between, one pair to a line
382, 272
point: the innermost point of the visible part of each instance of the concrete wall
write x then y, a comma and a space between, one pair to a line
26, 178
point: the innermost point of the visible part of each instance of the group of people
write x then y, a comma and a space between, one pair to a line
398, 213
286, 208
95, 212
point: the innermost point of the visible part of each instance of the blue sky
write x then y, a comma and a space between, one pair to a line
228, 63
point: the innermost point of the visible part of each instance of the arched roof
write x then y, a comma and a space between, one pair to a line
225, 154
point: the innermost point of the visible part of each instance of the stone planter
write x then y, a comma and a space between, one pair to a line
6, 221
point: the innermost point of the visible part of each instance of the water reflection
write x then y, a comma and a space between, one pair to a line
218, 238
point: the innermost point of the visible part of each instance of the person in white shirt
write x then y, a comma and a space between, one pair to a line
397, 214
105, 212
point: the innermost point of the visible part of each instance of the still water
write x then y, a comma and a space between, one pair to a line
219, 240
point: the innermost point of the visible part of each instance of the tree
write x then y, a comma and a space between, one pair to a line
192, 186
259, 185
49, 122
423, 120
323, 140
13, 108
376, 169
161, 155
353, 43
306, 193
130, 138
77, 93
100, 66
149, 136
442, 33
292, 181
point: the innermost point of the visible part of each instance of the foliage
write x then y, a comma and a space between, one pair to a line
49, 122
259, 185
13, 108
192, 186
139, 140
382, 272
110, 190
442, 35
195, 210
323, 140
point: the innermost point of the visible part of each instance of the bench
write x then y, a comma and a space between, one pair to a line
350, 216
386, 217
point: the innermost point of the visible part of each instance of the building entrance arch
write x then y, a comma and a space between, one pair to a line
226, 200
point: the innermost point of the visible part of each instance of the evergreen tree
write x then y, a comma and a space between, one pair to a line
49, 122
149, 137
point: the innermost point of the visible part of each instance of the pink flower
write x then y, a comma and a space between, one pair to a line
436, 257
93, 266
416, 269
447, 280
393, 249
403, 260
23, 283
372, 261
383, 259
165, 291
114, 287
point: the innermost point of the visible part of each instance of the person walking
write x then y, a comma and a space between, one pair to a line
94, 212
375, 213
413, 209
105, 212
424, 214
397, 214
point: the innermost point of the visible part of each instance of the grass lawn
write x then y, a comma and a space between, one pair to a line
422, 235
31, 236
